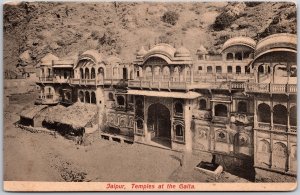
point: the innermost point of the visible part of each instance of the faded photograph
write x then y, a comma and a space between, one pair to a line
150, 92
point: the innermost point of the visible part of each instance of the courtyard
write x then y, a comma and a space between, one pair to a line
43, 157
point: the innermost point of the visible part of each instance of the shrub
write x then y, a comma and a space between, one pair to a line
223, 21
170, 17
252, 4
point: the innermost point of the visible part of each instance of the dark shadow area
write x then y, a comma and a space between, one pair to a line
241, 166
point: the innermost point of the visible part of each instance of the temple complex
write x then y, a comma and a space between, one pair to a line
239, 105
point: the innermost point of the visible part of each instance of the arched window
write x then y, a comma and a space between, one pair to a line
139, 103
238, 70
238, 56
293, 71
166, 73
93, 73
131, 75
49, 72
218, 69
280, 149
188, 73
209, 69
280, 114
87, 73
202, 104
261, 69
264, 149
178, 131
176, 74
148, 73
68, 96
247, 70
100, 73
111, 96
246, 55
125, 73
93, 98
221, 110
229, 56
120, 100
65, 75
229, 69
43, 72
87, 97
81, 74
264, 146
81, 96
156, 71
280, 71
264, 113
139, 124
242, 107
139, 72
293, 116
115, 72
200, 68
178, 108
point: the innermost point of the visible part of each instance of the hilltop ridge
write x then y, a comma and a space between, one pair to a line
120, 29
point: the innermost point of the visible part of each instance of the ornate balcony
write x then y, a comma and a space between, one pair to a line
242, 118
265, 126
49, 79
202, 114
158, 84
47, 99
213, 77
182, 85
271, 88
279, 127
76, 81
52, 79
220, 119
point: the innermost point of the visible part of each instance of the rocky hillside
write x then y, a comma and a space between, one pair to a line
67, 29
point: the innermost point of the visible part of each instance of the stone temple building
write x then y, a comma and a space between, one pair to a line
239, 105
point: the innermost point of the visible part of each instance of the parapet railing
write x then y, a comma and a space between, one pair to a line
46, 79
276, 127
95, 81
271, 88
158, 84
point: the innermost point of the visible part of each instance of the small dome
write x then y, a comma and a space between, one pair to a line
93, 54
141, 52
280, 40
247, 41
202, 50
182, 52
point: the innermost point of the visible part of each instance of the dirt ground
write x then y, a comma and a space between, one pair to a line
43, 157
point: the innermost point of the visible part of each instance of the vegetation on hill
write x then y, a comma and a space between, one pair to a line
68, 29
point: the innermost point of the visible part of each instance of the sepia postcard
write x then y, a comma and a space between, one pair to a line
150, 96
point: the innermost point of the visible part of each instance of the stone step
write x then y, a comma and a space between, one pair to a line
116, 138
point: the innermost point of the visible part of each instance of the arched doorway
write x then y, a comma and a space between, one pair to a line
159, 124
